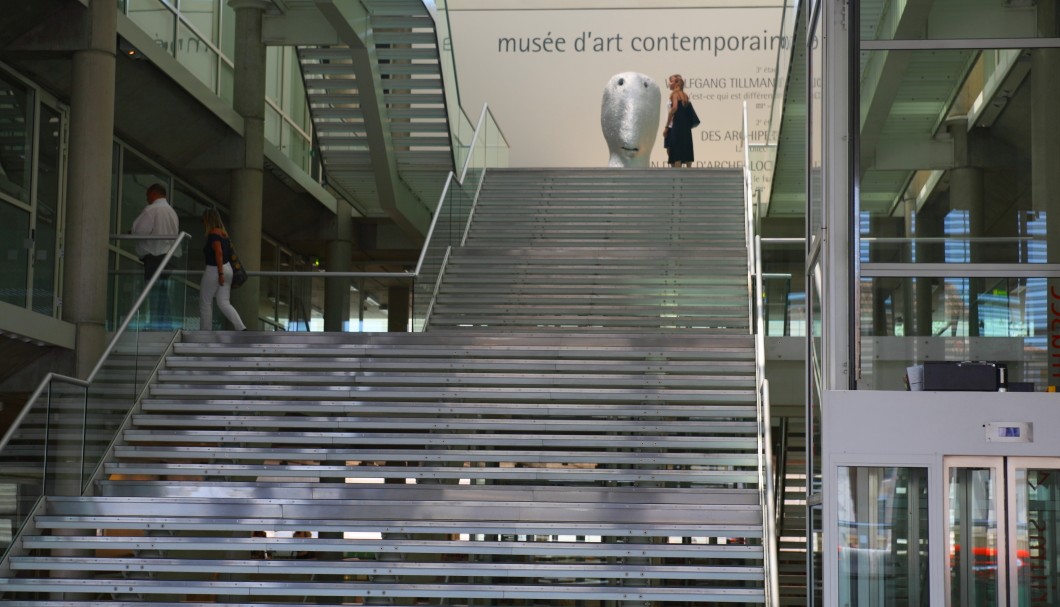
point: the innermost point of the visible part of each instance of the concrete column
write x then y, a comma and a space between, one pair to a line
927, 224
89, 185
246, 190
1045, 157
336, 290
966, 194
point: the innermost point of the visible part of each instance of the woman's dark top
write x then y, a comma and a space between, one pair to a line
218, 248
679, 142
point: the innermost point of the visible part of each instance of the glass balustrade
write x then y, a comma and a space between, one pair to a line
66, 427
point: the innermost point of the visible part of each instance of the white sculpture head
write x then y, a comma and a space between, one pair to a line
629, 117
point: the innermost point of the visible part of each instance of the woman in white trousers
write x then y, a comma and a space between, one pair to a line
217, 278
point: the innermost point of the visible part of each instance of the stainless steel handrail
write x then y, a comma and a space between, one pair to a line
767, 428
478, 190
434, 222
110, 346
427, 242
445, 191
932, 239
756, 310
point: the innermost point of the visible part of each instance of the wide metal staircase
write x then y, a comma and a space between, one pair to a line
594, 249
587, 439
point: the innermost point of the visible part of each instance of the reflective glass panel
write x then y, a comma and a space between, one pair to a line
973, 537
816, 104
156, 20
947, 19
906, 321
203, 16
883, 536
228, 31
137, 176
1036, 565
195, 54
16, 244
47, 212
16, 116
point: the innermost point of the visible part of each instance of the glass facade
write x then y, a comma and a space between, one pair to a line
883, 536
286, 304
200, 35
949, 140
952, 189
955, 131
32, 178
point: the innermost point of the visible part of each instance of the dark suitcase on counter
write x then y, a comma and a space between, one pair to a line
966, 376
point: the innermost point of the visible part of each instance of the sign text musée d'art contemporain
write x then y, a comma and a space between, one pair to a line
543, 73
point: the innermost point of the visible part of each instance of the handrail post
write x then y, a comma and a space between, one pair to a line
756, 313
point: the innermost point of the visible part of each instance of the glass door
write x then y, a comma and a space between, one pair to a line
975, 542
1002, 534
1034, 518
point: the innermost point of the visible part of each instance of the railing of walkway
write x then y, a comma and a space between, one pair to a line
294, 300
765, 422
57, 443
59, 439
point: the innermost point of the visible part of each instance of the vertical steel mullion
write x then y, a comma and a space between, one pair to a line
810, 458
34, 181
913, 537
60, 211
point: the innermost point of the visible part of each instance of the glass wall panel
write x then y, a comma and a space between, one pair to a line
816, 105
227, 83
190, 207
274, 73
46, 220
945, 204
137, 176
294, 101
203, 15
1012, 327
196, 55
273, 125
1037, 559
16, 145
972, 537
115, 193
883, 536
228, 31
948, 19
156, 19
15, 244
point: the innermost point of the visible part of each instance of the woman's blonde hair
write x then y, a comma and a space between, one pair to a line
212, 219
680, 80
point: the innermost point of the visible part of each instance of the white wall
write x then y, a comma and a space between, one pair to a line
547, 97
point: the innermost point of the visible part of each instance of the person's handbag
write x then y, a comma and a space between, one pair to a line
239, 273
693, 119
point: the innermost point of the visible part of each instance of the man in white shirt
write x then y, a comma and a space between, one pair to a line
157, 219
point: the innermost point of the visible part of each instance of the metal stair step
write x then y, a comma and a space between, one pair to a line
369, 589
316, 438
